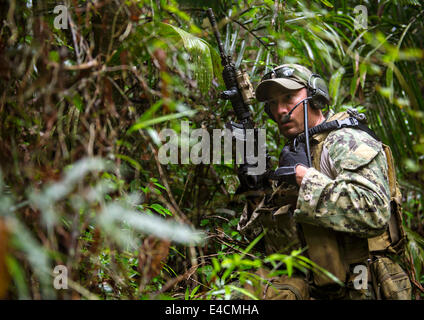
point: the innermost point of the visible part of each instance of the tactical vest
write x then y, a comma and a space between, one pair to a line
337, 251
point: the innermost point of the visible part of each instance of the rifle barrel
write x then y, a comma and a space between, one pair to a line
214, 25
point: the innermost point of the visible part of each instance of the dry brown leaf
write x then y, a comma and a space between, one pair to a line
97, 238
4, 274
152, 256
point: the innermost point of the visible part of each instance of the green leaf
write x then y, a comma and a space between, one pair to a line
334, 86
18, 275
243, 291
312, 265
159, 208
149, 114
200, 52
193, 292
289, 266
134, 163
159, 185
144, 124
253, 243
77, 102
204, 222
362, 73
327, 3
54, 56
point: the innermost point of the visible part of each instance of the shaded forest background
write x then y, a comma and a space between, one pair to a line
81, 109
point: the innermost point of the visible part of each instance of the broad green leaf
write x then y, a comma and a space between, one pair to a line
334, 86
200, 52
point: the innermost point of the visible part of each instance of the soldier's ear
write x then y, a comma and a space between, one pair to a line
317, 89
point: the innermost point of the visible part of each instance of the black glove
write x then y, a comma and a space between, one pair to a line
290, 157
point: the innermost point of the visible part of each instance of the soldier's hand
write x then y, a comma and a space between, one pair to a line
291, 157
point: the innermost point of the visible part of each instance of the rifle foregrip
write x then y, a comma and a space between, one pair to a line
229, 75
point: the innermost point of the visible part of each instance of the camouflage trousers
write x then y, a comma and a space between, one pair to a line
384, 275
297, 287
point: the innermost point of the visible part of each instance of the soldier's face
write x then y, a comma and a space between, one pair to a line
281, 103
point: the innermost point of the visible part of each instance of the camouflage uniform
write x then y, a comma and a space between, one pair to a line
346, 191
351, 193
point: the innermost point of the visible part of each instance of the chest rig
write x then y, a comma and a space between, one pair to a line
337, 251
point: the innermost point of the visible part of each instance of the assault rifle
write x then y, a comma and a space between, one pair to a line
241, 95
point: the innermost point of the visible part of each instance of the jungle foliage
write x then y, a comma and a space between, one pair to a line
81, 109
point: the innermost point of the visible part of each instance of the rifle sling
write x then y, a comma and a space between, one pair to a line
337, 124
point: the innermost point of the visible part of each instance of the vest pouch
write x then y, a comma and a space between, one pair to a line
396, 231
323, 249
393, 240
393, 282
280, 287
290, 288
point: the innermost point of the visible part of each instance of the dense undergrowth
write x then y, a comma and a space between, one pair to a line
81, 109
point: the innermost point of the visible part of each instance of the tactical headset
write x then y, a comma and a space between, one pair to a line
316, 87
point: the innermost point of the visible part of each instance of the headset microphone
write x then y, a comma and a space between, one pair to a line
286, 118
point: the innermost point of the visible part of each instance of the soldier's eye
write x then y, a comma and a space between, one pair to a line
273, 105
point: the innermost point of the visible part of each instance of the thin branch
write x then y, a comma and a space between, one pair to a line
82, 66
180, 216
251, 32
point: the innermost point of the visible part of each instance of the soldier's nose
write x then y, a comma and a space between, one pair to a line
282, 108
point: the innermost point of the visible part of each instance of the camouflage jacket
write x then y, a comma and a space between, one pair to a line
349, 193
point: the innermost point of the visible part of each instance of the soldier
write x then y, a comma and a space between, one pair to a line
342, 202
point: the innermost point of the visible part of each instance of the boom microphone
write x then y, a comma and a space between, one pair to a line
286, 118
